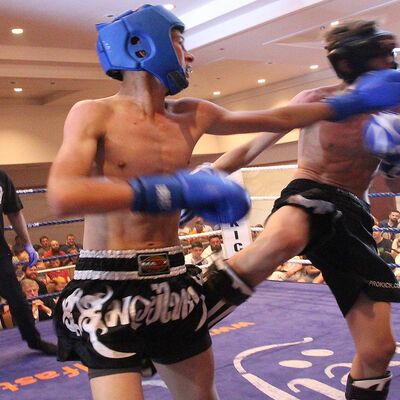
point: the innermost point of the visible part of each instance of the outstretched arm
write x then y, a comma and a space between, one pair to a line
247, 152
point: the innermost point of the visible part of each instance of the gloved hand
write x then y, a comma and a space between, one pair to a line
33, 257
374, 91
215, 198
187, 214
381, 133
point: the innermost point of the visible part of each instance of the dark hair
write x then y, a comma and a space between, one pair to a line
43, 237
347, 30
214, 236
196, 244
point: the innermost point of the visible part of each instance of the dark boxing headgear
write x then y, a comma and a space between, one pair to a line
357, 49
141, 41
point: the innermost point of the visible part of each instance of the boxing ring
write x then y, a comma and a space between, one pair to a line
288, 342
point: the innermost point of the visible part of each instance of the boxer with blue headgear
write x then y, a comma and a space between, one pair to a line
141, 41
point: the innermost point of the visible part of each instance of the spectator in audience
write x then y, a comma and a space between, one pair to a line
200, 227
56, 285
41, 309
44, 245
32, 273
289, 271
72, 260
194, 257
312, 274
215, 247
70, 243
57, 272
391, 222
254, 234
382, 244
5, 315
54, 251
18, 245
396, 244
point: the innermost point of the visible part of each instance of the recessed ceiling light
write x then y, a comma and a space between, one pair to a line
334, 23
261, 80
314, 66
17, 31
169, 7
18, 89
216, 93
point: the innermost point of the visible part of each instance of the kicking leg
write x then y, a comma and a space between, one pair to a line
370, 326
228, 284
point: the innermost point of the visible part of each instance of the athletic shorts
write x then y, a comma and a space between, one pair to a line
341, 244
124, 304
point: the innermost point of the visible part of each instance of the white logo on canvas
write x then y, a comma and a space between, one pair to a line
276, 393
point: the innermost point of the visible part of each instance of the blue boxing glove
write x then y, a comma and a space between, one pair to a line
33, 257
374, 91
187, 214
215, 198
381, 134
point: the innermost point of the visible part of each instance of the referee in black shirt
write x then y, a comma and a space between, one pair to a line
10, 289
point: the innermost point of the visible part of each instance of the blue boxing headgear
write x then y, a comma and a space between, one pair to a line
141, 41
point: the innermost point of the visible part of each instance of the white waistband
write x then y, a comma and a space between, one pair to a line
124, 275
127, 253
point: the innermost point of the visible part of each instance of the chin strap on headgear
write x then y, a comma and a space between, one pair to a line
141, 41
357, 50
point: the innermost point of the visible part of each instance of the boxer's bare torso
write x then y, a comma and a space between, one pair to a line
134, 143
333, 153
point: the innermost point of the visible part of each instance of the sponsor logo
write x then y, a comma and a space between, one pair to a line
153, 264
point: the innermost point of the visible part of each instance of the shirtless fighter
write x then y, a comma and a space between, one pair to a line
327, 205
120, 164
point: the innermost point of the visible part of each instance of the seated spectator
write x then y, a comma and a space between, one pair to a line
292, 271
72, 260
18, 245
313, 274
194, 257
382, 244
200, 227
32, 273
215, 246
70, 243
54, 251
57, 272
391, 222
44, 245
396, 244
254, 234
41, 309
56, 285
5, 315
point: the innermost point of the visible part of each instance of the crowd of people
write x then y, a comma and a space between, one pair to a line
34, 282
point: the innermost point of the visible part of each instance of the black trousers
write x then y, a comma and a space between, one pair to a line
20, 309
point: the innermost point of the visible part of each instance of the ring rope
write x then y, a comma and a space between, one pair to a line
48, 258
46, 223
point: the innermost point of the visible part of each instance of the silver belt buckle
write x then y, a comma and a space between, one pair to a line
153, 264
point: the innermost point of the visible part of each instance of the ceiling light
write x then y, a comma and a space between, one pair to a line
17, 31
18, 89
216, 93
314, 66
334, 23
169, 7
261, 80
